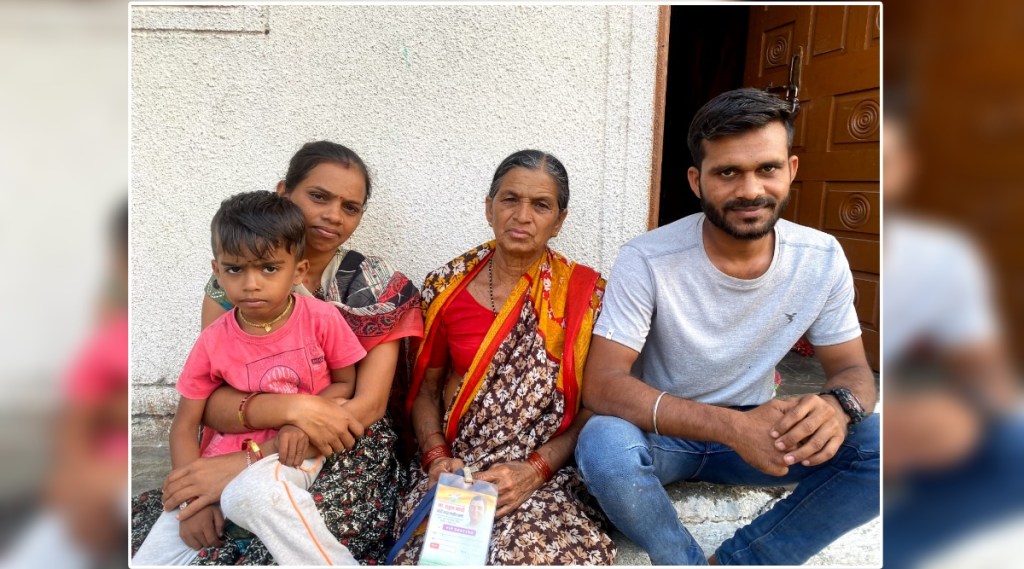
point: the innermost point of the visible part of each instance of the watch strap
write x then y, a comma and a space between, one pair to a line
848, 401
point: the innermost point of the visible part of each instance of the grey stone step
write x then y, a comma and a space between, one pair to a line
713, 513
150, 465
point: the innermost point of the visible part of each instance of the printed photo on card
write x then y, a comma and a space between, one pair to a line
459, 531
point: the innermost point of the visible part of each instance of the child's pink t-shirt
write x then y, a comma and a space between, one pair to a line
99, 375
296, 358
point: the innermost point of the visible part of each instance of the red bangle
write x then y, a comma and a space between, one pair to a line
241, 410
434, 453
249, 445
540, 465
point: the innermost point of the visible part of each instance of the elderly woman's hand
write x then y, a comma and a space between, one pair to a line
516, 481
441, 465
329, 426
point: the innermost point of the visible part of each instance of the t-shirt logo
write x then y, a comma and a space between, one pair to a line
286, 372
280, 379
790, 316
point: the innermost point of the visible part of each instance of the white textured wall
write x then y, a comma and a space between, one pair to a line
63, 142
432, 98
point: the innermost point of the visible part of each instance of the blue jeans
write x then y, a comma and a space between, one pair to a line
626, 469
933, 509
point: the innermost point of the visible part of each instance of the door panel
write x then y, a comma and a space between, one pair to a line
852, 207
836, 132
829, 35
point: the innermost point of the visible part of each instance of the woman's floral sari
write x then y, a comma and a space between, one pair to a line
522, 389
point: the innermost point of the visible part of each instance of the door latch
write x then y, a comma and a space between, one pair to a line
791, 90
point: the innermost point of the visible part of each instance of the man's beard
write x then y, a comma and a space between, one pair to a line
745, 231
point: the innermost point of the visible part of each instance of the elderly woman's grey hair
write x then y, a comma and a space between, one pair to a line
535, 160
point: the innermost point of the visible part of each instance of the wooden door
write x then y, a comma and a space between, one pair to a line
837, 129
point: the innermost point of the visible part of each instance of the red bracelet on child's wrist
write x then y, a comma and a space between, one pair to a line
251, 449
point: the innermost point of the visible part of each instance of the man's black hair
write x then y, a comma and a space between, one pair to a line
736, 112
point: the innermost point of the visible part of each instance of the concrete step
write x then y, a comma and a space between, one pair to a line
150, 465
713, 513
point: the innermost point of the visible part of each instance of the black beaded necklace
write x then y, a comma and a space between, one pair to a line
490, 284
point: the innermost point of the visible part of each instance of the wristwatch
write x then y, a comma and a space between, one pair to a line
849, 403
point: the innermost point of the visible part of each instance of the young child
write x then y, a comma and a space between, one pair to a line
82, 522
273, 341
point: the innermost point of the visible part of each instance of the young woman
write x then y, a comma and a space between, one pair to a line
356, 491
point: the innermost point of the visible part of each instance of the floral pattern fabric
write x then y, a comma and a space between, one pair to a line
516, 408
356, 494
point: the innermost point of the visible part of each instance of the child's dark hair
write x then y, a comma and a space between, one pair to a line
312, 154
258, 223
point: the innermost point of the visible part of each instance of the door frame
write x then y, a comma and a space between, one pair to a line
658, 140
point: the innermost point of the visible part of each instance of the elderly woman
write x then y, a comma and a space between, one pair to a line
496, 381
357, 489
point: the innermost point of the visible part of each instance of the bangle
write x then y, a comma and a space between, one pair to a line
248, 456
256, 450
654, 412
241, 410
540, 465
434, 453
249, 445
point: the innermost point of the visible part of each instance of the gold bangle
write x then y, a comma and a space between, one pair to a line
241, 410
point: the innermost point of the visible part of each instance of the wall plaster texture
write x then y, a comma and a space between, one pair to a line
432, 98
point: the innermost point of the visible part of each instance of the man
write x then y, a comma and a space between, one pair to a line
477, 507
681, 368
955, 431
